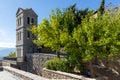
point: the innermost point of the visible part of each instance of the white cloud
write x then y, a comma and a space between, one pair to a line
7, 38
7, 45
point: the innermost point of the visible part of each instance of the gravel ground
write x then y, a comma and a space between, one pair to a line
4, 75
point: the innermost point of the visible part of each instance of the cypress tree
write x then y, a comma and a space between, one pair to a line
102, 7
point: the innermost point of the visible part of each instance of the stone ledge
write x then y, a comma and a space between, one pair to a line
22, 74
63, 75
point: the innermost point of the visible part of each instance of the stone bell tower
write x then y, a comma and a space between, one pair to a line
25, 18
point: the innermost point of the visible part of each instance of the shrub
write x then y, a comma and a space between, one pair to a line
51, 64
58, 64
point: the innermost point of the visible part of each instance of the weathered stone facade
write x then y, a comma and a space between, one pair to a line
25, 18
36, 62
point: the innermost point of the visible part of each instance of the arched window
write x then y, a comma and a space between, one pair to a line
20, 20
20, 36
28, 20
28, 34
32, 21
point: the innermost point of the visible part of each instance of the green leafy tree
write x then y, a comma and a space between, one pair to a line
78, 16
48, 32
51, 33
102, 7
98, 37
82, 36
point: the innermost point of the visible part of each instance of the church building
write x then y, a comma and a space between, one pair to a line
25, 18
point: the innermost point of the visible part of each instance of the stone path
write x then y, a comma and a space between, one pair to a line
4, 75
23, 74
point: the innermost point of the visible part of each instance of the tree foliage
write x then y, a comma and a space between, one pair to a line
12, 55
98, 36
82, 36
102, 7
51, 33
58, 64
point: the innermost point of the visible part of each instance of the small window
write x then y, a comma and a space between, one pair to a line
28, 34
32, 21
17, 22
20, 20
20, 36
28, 20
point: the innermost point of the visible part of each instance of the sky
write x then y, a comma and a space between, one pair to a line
8, 9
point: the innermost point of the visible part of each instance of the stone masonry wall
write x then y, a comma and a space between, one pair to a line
108, 67
5, 63
50, 74
35, 62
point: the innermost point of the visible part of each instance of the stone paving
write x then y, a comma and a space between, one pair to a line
23, 74
4, 75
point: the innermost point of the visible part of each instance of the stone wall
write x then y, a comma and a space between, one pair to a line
35, 62
22, 74
5, 63
109, 68
0, 62
62, 75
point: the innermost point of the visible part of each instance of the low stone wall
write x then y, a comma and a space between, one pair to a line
35, 62
62, 75
0, 62
5, 63
22, 74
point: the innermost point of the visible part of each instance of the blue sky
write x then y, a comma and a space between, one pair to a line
43, 8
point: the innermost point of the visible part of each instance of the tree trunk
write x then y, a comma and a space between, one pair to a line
58, 54
91, 69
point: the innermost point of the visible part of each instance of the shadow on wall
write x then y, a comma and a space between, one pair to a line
109, 68
29, 64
